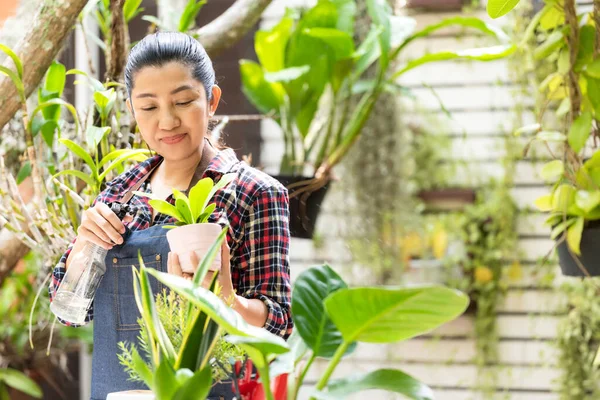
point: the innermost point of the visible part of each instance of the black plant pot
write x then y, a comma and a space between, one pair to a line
304, 209
590, 254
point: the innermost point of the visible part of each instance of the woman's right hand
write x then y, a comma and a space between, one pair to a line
101, 226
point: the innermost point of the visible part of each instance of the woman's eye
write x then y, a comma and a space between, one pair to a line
148, 108
185, 103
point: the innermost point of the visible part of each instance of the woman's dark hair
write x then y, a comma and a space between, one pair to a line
160, 48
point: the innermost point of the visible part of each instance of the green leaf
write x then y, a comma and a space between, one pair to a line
55, 78
552, 17
270, 45
206, 214
118, 162
287, 75
131, 153
81, 153
312, 323
183, 209
574, 235
555, 41
258, 349
52, 103
94, 135
78, 174
48, 129
561, 227
165, 384
323, 15
587, 200
553, 170
16, 81
198, 196
265, 96
222, 183
95, 84
564, 107
214, 307
166, 208
131, 9
498, 8
391, 380
284, 363
190, 12
150, 314
105, 100
383, 315
18, 65
197, 387
18, 380
142, 369
24, 172
585, 54
480, 54
346, 10
340, 43
593, 69
563, 197
580, 131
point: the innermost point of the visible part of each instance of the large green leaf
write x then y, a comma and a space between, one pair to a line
19, 66
95, 134
287, 74
183, 208
187, 20
498, 8
198, 196
197, 387
585, 53
266, 96
55, 78
81, 153
385, 315
166, 208
18, 380
214, 307
391, 380
165, 383
587, 200
340, 43
141, 367
258, 349
574, 233
131, 8
24, 172
323, 15
310, 319
552, 170
271, 45
53, 103
480, 54
580, 131
554, 42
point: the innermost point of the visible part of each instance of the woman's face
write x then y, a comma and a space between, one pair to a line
171, 110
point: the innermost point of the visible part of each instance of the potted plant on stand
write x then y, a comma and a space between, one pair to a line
570, 47
192, 232
309, 74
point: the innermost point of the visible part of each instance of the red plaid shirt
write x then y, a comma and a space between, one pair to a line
258, 235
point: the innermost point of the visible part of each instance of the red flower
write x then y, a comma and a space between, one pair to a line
251, 389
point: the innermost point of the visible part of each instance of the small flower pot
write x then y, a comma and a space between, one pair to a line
131, 395
589, 258
303, 211
196, 238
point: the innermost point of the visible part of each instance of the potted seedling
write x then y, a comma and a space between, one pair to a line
191, 231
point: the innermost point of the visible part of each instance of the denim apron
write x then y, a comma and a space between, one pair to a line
116, 312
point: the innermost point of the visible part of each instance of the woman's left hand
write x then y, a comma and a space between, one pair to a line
227, 290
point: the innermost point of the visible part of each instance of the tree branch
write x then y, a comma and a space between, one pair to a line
37, 49
231, 26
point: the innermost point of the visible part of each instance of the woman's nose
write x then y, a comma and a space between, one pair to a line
168, 120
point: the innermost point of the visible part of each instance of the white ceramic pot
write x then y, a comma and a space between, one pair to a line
199, 238
131, 395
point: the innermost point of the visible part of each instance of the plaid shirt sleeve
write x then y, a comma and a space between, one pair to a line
263, 258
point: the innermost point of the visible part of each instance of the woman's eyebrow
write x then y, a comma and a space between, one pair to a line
179, 89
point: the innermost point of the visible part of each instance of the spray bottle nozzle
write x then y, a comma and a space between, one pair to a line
121, 210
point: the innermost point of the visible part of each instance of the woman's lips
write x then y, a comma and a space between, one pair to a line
173, 139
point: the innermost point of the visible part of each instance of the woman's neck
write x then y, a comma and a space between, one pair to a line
178, 174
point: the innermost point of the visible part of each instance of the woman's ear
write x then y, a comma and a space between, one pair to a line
214, 101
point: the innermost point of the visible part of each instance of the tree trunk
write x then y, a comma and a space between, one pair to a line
37, 49
11, 251
231, 26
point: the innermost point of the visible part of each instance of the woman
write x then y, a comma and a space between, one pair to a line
172, 95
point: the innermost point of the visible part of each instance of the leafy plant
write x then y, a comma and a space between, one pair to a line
17, 380
178, 374
310, 69
570, 47
195, 209
185, 22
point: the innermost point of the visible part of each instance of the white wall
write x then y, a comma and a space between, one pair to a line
480, 98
